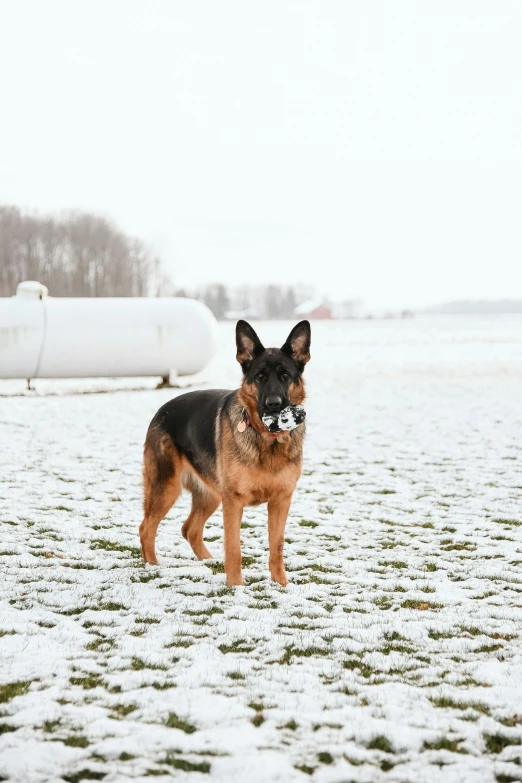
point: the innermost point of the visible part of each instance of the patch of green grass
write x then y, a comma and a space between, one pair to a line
307, 652
459, 547
7, 633
495, 743
413, 603
5, 728
445, 743
76, 741
137, 664
215, 566
323, 569
316, 580
210, 611
486, 648
84, 774
292, 725
325, 758
147, 577
471, 629
308, 523
111, 606
239, 646
400, 648
181, 642
363, 668
433, 634
147, 620
174, 722
235, 676
431, 566
126, 756
318, 726
98, 643
393, 563
514, 522
258, 719
381, 743
12, 689
165, 686
394, 636
122, 710
87, 681
51, 725
305, 768
77, 610
445, 702
186, 766
113, 546
63, 508
513, 720
383, 602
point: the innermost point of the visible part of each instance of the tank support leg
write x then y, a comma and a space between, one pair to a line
169, 381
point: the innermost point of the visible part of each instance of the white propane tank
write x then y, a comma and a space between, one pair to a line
46, 337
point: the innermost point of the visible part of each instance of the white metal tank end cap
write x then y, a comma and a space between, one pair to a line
32, 289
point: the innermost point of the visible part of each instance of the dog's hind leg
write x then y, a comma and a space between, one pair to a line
162, 486
204, 503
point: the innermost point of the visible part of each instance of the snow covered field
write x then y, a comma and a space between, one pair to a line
395, 654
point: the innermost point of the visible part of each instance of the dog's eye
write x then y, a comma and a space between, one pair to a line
260, 376
285, 376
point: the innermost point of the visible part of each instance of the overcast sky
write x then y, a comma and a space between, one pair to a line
372, 148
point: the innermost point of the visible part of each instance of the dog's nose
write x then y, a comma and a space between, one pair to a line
273, 402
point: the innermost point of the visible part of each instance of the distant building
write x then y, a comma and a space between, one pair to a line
313, 309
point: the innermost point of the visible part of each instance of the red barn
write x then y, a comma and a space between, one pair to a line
313, 310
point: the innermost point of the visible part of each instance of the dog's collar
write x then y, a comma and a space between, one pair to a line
245, 422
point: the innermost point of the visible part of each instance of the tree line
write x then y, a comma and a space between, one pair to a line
74, 254
81, 254
264, 302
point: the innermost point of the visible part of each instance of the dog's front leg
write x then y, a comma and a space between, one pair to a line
277, 513
232, 515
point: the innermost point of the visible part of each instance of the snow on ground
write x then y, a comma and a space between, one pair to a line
394, 655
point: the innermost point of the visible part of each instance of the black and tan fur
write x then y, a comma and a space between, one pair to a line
193, 442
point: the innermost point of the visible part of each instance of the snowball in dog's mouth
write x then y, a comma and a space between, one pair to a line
287, 419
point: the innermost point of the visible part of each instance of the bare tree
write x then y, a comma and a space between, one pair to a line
75, 254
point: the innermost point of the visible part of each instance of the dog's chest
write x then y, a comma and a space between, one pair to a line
256, 485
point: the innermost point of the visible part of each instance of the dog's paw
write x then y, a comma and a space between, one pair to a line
235, 581
280, 578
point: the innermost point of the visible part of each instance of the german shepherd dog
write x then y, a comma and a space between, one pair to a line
214, 444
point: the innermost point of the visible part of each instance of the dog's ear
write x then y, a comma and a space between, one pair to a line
248, 344
297, 344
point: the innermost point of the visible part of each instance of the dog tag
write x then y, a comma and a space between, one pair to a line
241, 427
